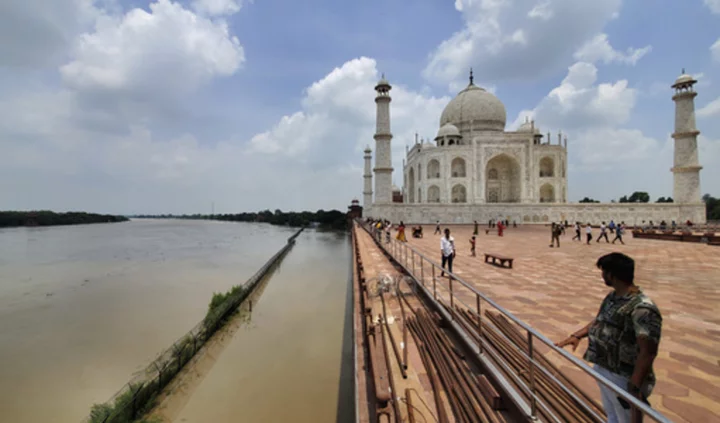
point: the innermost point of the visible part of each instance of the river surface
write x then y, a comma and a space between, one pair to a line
82, 308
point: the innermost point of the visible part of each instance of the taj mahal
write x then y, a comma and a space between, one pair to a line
476, 170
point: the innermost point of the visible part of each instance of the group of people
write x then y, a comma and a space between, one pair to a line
557, 229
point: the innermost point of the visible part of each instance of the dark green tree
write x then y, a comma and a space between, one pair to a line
639, 197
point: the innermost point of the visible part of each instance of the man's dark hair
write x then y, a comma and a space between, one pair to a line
618, 265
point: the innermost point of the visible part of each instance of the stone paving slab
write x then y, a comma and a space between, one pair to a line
559, 290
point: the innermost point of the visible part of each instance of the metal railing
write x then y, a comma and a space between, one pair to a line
447, 291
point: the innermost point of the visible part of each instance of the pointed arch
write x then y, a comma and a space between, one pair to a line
547, 193
433, 194
459, 194
502, 179
411, 185
458, 168
547, 167
433, 169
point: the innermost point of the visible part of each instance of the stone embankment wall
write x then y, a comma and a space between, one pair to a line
630, 213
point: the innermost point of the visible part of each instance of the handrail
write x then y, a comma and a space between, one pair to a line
644, 408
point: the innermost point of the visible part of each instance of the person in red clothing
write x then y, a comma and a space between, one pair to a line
501, 227
472, 245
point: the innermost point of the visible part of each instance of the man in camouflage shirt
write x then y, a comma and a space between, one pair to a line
623, 338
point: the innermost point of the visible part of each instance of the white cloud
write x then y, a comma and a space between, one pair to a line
541, 11
715, 50
310, 157
490, 40
216, 7
709, 110
599, 49
167, 50
578, 103
36, 33
341, 105
714, 6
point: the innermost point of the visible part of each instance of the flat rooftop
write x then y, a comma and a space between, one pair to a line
559, 290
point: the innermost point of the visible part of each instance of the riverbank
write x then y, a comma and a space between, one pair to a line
331, 219
10, 219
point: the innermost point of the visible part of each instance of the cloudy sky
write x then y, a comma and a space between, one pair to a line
137, 106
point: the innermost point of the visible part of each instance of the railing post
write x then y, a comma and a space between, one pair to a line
434, 289
422, 271
412, 259
533, 399
452, 303
479, 313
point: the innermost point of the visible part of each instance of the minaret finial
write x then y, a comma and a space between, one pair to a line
683, 71
471, 77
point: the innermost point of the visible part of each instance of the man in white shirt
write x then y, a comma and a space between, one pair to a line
447, 249
588, 232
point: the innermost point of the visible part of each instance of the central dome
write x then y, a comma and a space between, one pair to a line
477, 106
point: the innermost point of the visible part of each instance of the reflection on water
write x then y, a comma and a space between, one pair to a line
284, 364
83, 307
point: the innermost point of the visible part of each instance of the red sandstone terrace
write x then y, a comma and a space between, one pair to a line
558, 290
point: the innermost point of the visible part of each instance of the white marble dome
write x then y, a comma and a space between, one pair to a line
448, 130
527, 127
684, 79
477, 106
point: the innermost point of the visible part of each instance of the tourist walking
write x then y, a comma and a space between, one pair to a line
501, 227
475, 232
437, 228
555, 230
472, 246
401, 232
619, 233
603, 233
447, 249
588, 233
577, 232
388, 226
611, 226
623, 339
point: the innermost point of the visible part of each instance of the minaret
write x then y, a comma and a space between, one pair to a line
367, 179
686, 168
383, 137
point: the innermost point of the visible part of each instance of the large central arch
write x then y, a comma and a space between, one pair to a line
502, 180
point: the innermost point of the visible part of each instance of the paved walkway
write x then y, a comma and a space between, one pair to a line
558, 290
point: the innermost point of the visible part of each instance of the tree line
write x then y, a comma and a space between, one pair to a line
331, 219
49, 218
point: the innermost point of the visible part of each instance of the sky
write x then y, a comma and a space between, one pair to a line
136, 106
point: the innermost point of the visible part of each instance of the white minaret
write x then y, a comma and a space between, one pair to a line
383, 137
686, 168
367, 179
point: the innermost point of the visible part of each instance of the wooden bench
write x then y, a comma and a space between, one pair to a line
498, 260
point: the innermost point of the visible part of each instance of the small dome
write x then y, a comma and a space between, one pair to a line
448, 130
477, 106
367, 149
684, 79
527, 128
383, 83
395, 188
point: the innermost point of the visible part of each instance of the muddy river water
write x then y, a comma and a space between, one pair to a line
84, 307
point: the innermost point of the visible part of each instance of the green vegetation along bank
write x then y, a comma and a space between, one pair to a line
48, 218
